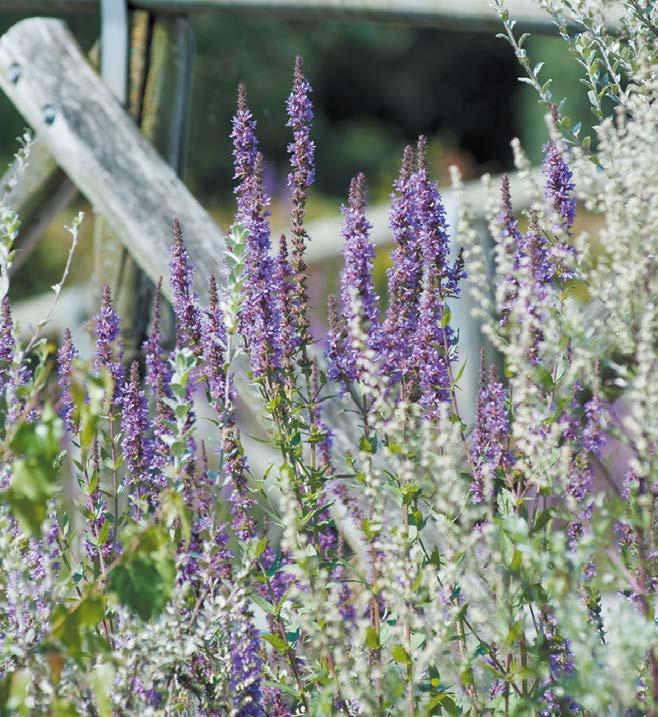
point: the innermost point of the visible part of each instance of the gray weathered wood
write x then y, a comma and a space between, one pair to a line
100, 148
467, 14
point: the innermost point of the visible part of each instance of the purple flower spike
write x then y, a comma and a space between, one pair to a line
432, 343
559, 186
213, 343
300, 117
108, 348
156, 366
512, 243
490, 435
7, 342
356, 276
66, 354
134, 427
245, 144
260, 318
237, 475
285, 287
246, 669
302, 176
434, 240
406, 273
186, 302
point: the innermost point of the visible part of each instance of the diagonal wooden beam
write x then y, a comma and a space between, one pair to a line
101, 149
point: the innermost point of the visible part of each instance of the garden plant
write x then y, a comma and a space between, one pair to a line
392, 560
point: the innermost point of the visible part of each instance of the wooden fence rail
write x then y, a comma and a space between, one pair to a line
466, 14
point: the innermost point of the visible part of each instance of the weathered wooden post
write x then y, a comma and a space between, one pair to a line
158, 87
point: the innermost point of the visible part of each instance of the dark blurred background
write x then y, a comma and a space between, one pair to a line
377, 86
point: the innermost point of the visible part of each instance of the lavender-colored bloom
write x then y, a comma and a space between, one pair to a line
300, 117
66, 354
260, 317
593, 435
559, 186
135, 445
405, 274
512, 244
7, 341
356, 278
285, 285
432, 344
246, 669
237, 476
186, 302
337, 345
162, 433
561, 665
213, 343
302, 176
490, 435
434, 239
108, 348
156, 366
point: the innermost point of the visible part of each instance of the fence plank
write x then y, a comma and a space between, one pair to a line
466, 14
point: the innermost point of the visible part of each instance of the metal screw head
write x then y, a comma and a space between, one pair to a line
48, 114
14, 73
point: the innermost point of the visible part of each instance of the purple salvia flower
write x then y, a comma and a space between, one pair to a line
356, 277
429, 353
559, 186
245, 147
561, 665
108, 348
7, 341
302, 176
161, 452
285, 285
237, 476
66, 354
260, 317
432, 226
246, 668
341, 362
213, 343
135, 446
593, 435
512, 243
490, 435
156, 366
406, 272
300, 117
186, 302
537, 269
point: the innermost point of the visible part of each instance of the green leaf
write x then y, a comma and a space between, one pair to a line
145, 577
70, 625
35, 469
260, 548
278, 643
399, 654
372, 638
